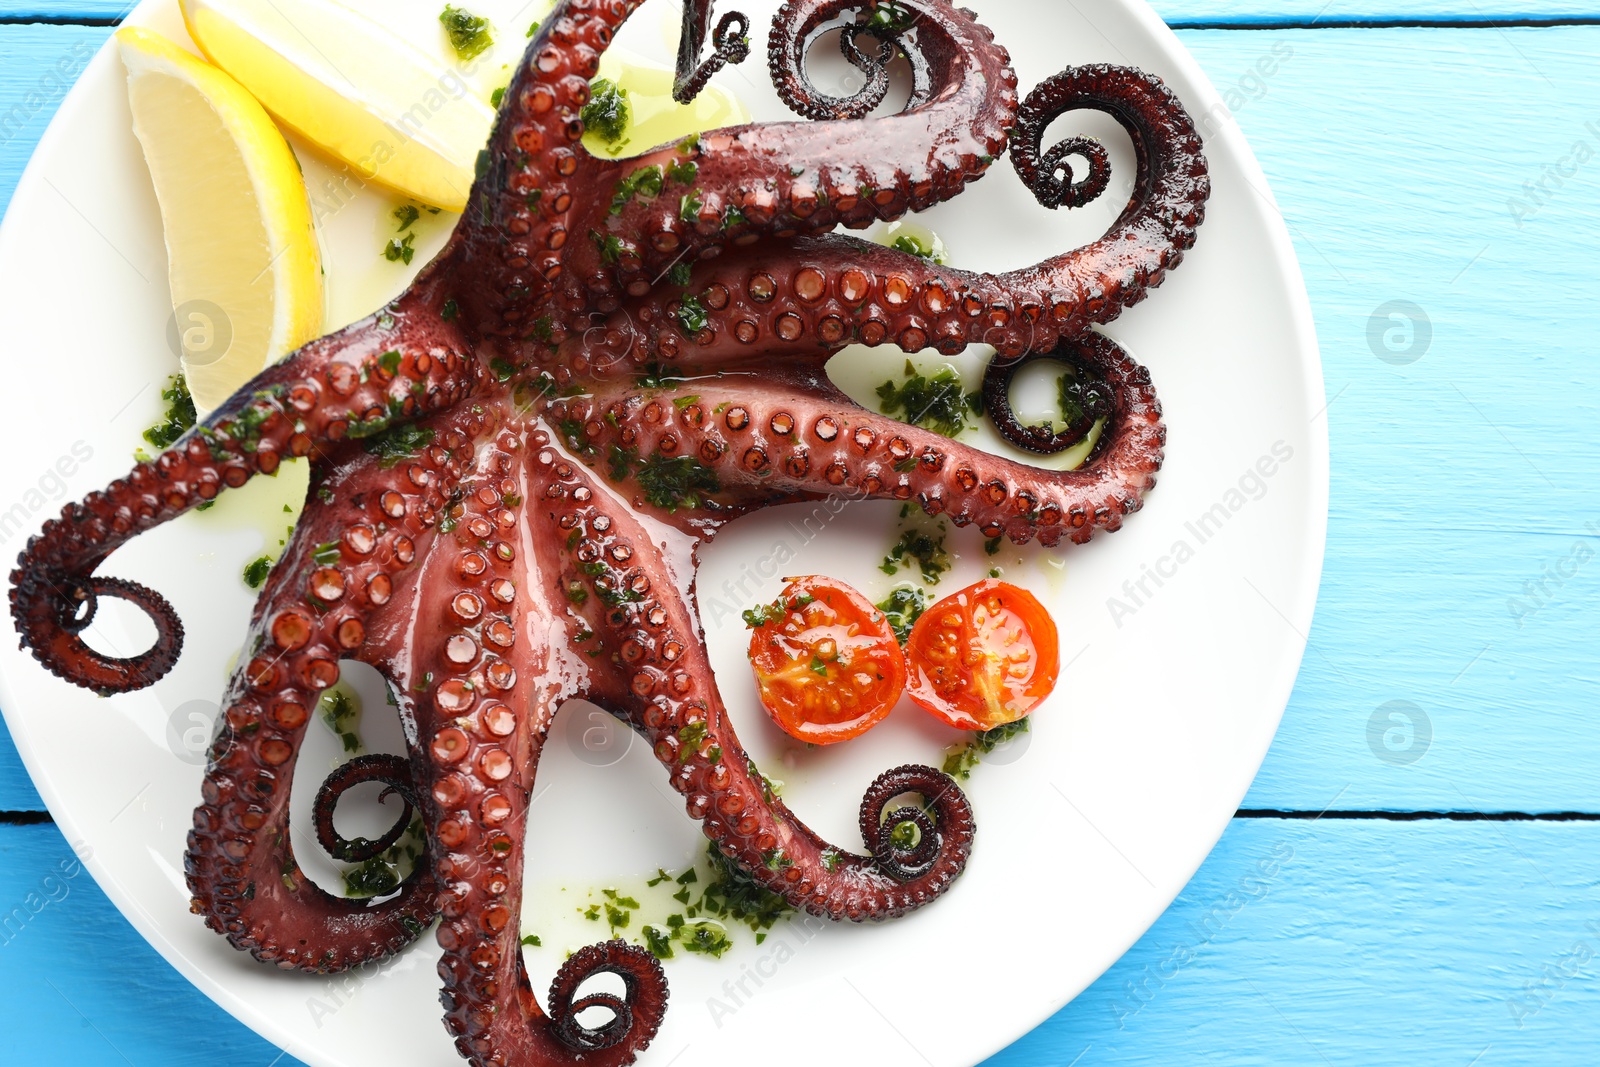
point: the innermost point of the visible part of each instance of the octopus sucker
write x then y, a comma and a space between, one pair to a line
602, 347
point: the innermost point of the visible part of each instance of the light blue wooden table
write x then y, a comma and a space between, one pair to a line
1445, 907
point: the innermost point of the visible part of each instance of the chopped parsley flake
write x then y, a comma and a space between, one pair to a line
762, 614
180, 416
960, 761
659, 376
398, 443
255, 572
374, 878
691, 315
609, 244
607, 112
645, 182
921, 547
469, 35
400, 250
936, 402
342, 716
406, 215
676, 482
903, 608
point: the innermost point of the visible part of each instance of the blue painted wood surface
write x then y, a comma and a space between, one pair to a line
1179, 12
1461, 490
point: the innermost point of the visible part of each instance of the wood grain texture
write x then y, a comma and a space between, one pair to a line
1177, 11
30, 93
1402, 161
17, 10
1375, 943
1379, 943
16, 788
29, 97
78, 985
1457, 479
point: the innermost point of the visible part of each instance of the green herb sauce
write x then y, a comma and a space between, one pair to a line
469, 35
936, 403
607, 113
180, 416
923, 547
902, 609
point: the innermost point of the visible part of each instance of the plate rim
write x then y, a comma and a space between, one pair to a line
1299, 613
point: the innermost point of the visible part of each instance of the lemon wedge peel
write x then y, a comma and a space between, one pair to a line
353, 88
243, 260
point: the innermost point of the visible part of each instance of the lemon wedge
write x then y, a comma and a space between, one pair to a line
353, 88
242, 256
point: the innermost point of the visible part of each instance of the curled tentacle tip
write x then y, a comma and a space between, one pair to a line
730, 44
51, 614
395, 773
1057, 186
635, 1016
911, 842
1088, 395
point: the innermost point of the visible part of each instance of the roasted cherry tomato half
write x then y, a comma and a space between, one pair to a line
826, 661
983, 657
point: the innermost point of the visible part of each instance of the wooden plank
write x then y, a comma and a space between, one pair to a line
16, 788
1379, 943
32, 59
20, 10
1458, 577
1179, 12
1342, 12
83, 987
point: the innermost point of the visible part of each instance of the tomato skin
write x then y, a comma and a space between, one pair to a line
827, 665
984, 656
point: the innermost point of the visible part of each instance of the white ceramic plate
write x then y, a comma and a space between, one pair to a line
1088, 829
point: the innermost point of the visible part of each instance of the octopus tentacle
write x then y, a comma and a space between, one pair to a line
525, 203
652, 669
395, 775
795, 32
765, 436
52, 612
730, 43
332, 597
513, 464
811, 296
644, 997
732, 186
1171, 185
1094, 400
240, 863
381, 372
489, 611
